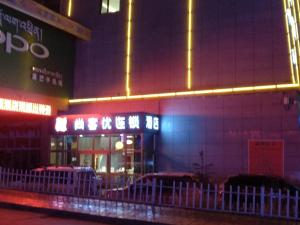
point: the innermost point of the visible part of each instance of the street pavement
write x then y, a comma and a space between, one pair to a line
120, 213
18, 217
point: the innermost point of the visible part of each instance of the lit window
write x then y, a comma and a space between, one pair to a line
110, 6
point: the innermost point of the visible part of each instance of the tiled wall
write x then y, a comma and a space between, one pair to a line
220, 126
235, 43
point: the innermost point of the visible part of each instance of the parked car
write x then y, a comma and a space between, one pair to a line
254, 184
66, 179
258, 181
170, 188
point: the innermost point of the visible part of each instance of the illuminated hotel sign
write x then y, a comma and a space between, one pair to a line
24, 107
107, 123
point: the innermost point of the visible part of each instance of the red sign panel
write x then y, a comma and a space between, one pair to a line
266, 157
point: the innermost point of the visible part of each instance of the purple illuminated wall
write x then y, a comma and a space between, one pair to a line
236, 43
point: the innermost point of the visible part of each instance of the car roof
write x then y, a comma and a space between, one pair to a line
170, 174
252, 179
63, 168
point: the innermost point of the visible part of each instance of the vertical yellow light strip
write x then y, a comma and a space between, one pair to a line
70, 8
128, 52
189, 44
289, 41
296, 42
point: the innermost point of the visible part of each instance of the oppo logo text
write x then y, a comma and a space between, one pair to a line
17, 43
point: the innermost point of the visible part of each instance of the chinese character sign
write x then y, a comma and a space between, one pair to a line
116, 123
106, 123
134, 122
149, 122
79, 124
61, 124
120, 122
92, 123
152, 122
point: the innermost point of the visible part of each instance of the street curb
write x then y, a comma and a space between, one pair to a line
78, 215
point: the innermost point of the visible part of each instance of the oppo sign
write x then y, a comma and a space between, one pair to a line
19, 44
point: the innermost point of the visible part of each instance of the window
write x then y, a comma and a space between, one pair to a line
110, 6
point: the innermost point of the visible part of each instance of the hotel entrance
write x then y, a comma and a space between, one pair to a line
111, 151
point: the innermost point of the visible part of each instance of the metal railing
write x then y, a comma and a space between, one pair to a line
174, 193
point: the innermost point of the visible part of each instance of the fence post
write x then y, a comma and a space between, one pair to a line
238, 199
279, 203
40, 181
288, 204
207, 196
20, 179
117, 188
90, 185
35, 181
49, 182
64, 182
100, 188
160, 192
180, 193
187, 195
262, 200
296, 204
147, 191
123, 187
84, 185
1, 177
25, 180
230, 198
223, 200
8, 177
173, 193
194, 195
141, 190
271, 202
129, 189
253, 199
134, 190
216, 197
246, 200
153, 190
201, 196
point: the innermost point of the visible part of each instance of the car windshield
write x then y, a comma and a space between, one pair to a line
86, 174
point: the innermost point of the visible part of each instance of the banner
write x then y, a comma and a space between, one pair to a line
34, 56
266, 157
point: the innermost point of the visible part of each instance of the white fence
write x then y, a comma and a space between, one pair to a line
247, 200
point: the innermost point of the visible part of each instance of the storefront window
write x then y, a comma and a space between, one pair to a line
117, 162
85, 160
53, 158
117, 142
102, 142
85, 143
101, 163
109, 153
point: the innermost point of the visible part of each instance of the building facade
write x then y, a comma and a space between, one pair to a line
222, 76
218, 72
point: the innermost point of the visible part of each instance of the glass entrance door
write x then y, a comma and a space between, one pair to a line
129, 154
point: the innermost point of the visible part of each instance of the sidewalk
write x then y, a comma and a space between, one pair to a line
121, 213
